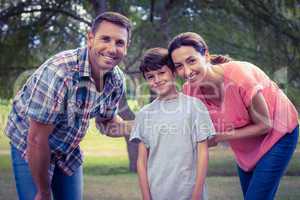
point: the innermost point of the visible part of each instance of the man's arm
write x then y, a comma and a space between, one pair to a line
142, 171
202, 163
115, 127
38, 153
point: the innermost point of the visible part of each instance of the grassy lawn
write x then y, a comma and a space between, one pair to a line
114, 182
107, 176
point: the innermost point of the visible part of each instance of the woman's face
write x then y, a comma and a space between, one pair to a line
190, 64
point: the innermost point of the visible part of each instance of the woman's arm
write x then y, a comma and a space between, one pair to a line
261, 122
202, 163
142, 171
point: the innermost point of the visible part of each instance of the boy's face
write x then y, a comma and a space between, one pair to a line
161, 81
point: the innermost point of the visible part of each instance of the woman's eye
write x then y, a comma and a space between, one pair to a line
192, 61
178, 67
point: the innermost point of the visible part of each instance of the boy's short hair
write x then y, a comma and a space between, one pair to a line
115, 18
154, 59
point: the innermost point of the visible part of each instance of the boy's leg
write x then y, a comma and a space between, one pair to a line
66, 187
24, 182
269, 170
245, 178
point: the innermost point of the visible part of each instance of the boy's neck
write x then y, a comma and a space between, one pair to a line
172, 95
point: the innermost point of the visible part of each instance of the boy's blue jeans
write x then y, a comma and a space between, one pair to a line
63, 187
263, 181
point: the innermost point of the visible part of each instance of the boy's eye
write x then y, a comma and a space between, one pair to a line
149, 77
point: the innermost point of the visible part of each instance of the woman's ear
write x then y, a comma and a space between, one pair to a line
207, 56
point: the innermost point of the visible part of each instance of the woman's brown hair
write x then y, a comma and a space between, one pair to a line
198, 43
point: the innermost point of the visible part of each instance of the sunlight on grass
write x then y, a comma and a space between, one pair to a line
96, 144
107, 176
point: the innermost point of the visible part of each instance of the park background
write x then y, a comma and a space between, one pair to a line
264, 32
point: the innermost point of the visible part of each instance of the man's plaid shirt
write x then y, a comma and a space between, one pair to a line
62, 92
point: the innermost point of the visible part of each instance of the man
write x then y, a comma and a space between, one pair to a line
50, 114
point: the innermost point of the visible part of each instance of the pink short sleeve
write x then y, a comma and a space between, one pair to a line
249, 78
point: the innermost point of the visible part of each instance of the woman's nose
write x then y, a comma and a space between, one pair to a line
187, 71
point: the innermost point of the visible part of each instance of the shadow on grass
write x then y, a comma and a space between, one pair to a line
105, 166
104, 170
219, 165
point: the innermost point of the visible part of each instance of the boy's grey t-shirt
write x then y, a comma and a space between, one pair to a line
170, 129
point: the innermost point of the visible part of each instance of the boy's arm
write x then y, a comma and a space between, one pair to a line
202, 163
142, 171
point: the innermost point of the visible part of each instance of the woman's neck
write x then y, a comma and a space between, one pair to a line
215, 74
212, 87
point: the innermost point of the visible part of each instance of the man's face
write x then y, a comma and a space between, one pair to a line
107, 46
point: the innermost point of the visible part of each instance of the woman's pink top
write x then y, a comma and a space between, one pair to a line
242, 81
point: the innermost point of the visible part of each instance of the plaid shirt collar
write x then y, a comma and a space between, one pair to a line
85, 70
84, 66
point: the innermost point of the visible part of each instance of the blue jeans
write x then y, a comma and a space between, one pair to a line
262, 182
63, 187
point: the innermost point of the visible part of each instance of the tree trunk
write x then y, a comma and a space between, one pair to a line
132, 148
99, 6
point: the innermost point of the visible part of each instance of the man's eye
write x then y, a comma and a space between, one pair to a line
105, 39
120, 43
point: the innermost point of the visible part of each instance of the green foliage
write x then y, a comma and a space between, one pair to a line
21, 80
294, 95
263, 32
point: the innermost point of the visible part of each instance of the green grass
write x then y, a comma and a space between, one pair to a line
107, 176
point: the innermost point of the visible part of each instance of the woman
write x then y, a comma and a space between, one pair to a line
248, 110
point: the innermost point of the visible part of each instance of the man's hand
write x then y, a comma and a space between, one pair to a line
116, 127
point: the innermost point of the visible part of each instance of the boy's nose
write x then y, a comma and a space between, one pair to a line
156, 79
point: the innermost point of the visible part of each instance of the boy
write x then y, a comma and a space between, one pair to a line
172, 132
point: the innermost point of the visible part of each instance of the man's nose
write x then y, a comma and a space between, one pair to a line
112, 48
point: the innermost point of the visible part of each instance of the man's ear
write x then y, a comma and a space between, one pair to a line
90, 39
